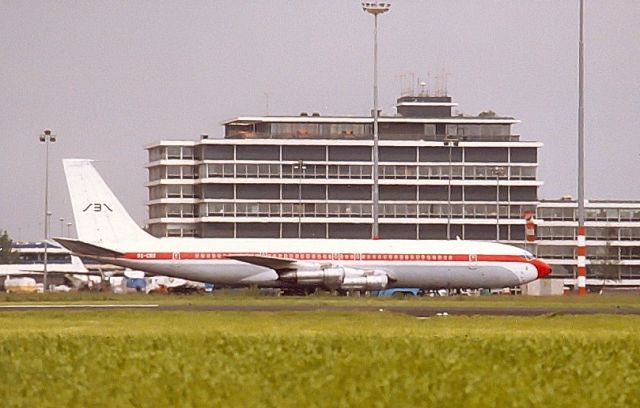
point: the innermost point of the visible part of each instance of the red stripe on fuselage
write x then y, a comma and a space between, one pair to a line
313, 256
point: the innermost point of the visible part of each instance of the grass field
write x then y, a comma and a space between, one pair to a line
249, 297
143, 358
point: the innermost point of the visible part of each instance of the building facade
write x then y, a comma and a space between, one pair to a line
441, 176
612, 232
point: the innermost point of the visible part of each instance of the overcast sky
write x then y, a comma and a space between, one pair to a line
112, 77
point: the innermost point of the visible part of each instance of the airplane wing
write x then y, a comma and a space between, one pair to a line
277, 264
309, 273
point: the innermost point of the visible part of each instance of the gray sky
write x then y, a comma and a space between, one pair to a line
112, 77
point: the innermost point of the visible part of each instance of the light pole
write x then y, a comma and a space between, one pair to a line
301, 168
498, 171
451, 141
375, 9
61, 226
46, 137
581, 248
69, 224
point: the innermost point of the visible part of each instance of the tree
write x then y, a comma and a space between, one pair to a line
7, 256
487, 114
606, 262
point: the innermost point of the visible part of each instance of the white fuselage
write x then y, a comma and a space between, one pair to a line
422, 264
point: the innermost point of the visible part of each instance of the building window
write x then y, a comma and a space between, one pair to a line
306, 153
173, 172
188, 172
524, 155
218, 152
349, 153
258, 152
556, 233
173, 191
156, 173
187, 153
188, 191
486, 154
397, 154
556, 252
173, 153
523, 173
156, 153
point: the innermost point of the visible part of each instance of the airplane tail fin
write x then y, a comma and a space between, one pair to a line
99, 216
78, 264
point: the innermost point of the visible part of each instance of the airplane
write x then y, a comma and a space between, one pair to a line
75, 267
20, 277
107, 233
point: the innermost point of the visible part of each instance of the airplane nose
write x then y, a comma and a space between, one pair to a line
542, 267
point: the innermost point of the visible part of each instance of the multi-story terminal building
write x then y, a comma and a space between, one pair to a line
442, 175
612, 231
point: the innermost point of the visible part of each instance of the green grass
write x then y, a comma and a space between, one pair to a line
142, 358
249, 297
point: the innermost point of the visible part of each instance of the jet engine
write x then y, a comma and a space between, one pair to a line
366, 282
337, 277
329, 277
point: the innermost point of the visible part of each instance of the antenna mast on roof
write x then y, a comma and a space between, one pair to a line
423, 88
413, 81
446, 78
405, 86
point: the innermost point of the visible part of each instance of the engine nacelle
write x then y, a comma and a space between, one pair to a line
336, 277
366, 282
329, 277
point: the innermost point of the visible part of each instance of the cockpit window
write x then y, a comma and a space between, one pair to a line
528, 256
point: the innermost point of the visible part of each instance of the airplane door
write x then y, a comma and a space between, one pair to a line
175, 260
473, 261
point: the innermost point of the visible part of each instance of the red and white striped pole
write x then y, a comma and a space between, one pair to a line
581, 272
529, 226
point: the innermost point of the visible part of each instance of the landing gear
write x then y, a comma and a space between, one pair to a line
297, 291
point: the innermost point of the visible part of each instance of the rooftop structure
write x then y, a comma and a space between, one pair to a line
426, 118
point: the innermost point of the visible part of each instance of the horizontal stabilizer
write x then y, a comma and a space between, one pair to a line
85, 249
